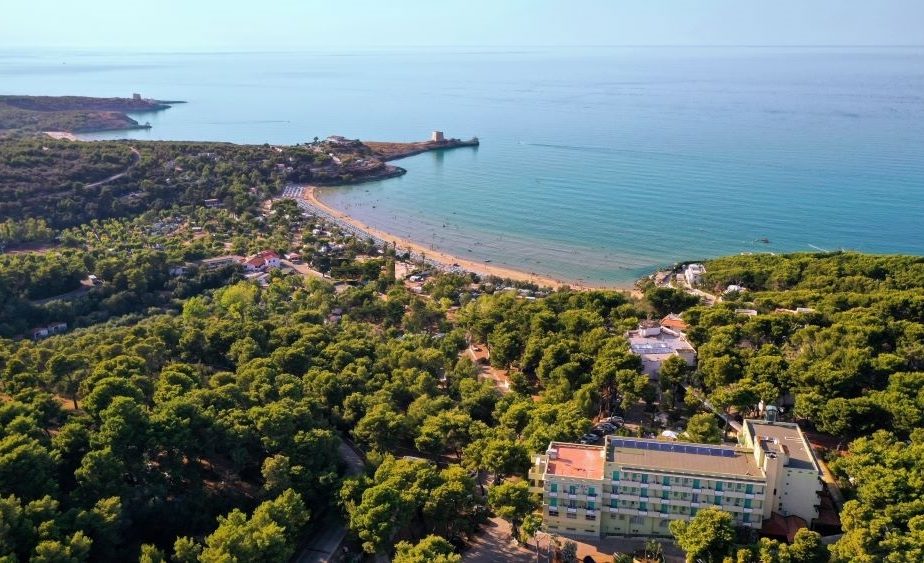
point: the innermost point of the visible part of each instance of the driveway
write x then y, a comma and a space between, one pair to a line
331, 531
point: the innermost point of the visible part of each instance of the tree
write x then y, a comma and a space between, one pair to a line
150, 554
27, 468
511, 500
431, 549
704, 429
807, 547
569, 552
666, 300
270, 534
708, 537
531, 524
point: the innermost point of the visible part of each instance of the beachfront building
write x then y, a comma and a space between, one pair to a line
635, 487
693, 273
655, 344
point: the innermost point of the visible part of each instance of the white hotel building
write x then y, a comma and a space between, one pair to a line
635, 487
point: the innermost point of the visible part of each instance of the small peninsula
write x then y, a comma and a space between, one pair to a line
74, 114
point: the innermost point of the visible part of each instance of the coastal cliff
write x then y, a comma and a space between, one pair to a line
351, 161
73, 114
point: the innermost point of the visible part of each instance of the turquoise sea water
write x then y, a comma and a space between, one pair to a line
595, 164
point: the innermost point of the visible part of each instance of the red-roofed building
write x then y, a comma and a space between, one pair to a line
674, 322
262, 261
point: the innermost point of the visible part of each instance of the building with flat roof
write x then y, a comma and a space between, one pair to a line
635, 487
656, 343
693, 273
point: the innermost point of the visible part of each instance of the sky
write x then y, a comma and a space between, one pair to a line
233, 25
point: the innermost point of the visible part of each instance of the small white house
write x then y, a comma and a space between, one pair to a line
693, 273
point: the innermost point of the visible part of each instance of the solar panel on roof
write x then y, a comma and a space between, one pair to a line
714, 451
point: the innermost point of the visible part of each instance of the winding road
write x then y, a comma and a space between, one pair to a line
120, 174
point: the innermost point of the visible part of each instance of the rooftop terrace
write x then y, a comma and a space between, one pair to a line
575, 460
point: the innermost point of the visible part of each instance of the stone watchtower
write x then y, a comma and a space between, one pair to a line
437, 137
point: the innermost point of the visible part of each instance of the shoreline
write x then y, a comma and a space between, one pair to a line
444, 259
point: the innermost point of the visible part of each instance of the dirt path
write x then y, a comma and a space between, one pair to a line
120, 174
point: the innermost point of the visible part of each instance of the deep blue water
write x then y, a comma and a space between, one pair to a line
595, 164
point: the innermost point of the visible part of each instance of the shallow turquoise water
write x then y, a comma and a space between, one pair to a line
595, 164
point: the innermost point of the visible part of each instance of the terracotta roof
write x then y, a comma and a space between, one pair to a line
779, 526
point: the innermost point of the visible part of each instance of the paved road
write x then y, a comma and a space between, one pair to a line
331, 531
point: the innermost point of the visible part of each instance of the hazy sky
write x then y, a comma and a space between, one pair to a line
309, 24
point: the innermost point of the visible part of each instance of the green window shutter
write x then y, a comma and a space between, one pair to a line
553, 502
554, 487
696, 483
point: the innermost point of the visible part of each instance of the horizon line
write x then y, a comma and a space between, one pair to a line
140, 49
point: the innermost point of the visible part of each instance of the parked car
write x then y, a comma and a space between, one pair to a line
590, 439
607, 427
615, 420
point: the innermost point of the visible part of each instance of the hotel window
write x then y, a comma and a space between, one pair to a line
747, 503
591, 492
572, 490
591, 505
717, 501
643, 506
664, 508
644, 477
695, 497
614, 503
749, 489
616, 476
665, 480
554, 487
692, 512
553, 502
746, 517
718, 485
572, 503
696, 483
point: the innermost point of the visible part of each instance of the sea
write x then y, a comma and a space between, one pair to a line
596, 164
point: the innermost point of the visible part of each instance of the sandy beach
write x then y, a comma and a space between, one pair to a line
61, 135
448, 260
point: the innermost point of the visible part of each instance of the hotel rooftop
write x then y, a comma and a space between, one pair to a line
704, 459
575, 460
787, 436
